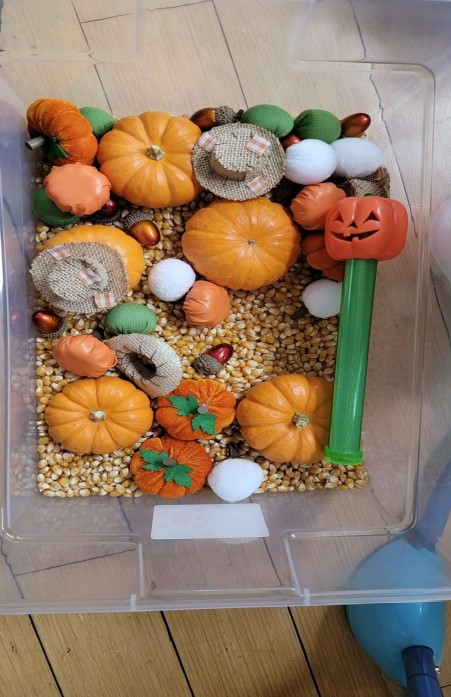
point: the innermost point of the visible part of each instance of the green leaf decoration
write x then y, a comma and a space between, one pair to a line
154, 459
205, 421
53, 149
186, 406
179, 475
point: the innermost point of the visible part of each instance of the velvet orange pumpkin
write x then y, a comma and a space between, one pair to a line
147, 159
312, 204
68, 135
206, 304
170, 468
242, 244
83, 354
287, 418
98, 415
129, 249
76, 188
196, 409
313, 247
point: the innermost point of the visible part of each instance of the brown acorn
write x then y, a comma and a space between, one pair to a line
215, 116
355, 125
290, 139
146, 232
47, 322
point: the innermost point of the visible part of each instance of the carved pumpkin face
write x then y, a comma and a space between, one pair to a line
371, 227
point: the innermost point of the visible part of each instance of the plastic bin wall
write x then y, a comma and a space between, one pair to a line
97, 553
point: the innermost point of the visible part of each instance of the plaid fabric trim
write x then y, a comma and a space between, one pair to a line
259, 145
59, 252
103, 300
88, 277
207, 142
258, 185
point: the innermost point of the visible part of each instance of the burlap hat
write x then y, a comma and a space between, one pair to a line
80, 277
238, 161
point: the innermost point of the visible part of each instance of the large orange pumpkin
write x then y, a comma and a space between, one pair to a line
287, 419
170, 467
68, 135
147, 159
98, 415
242, 244
196, 409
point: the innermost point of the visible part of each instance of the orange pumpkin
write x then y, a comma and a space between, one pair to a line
196, 409
129, 249
242, 244
311, 206
313, 247
170, 468
287, 419
147, 159
76, 188
83, 354
98, 415
206, 304
68, 135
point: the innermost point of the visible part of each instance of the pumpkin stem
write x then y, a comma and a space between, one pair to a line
155, 153
301, 420
97, 415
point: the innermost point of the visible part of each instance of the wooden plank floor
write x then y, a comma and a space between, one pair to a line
306, 652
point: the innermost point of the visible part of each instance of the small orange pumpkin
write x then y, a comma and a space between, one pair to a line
98, 415
83, 354
170, 468
311, 206
196, 409
313, 247
68, 135
76, 188
206, 304
287, 418
242, 244
147, 159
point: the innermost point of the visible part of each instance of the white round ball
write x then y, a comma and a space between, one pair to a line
171, 279
235, 479
309, 162
356, 157
322, 298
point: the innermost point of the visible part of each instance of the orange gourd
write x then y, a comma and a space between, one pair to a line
98, 415
206, 304
313, 247
76, 188
242, 244
311, 206
196, 409
287, 418
147, 159
170, 468
68, 135
129, 249
83, 354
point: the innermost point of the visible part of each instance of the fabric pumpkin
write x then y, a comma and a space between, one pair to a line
170, 468
83, 354
242, 244
98, 415
287, 418
147, 159
68, 135
313, 247
196, 409
76, 188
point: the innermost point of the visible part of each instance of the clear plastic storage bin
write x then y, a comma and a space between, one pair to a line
384, 58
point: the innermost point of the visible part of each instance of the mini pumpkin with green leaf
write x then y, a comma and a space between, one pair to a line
170, 468
196, 409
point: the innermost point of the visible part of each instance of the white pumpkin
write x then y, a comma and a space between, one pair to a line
322, 298
235, 479
171, 279
309, 162
356, 157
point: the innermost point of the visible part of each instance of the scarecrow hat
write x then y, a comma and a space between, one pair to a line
80, 277
238, 161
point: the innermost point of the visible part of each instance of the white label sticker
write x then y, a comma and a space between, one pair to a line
208, 522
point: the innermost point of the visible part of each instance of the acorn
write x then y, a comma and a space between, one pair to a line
139, 223
208, 117
355, 125
109, 208
290, 139
222, 352
211, 362
47, 322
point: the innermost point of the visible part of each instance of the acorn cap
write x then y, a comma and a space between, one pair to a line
225, 114
136, 216
206, 365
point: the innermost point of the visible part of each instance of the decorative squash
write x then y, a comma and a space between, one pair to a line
68, 135
242, 244
206, 304
170, 468
147, 159
196, 409
313, 203
129, 249
287, 419
313, 247
76, 188
84, 355
98, 415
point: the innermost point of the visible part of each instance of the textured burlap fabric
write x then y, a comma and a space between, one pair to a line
376, 184
86, 275
231, 170
150, 363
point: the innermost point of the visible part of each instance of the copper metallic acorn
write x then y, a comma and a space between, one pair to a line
355, 125
204, 118
290, 139
146, 232
47, 322
222, 352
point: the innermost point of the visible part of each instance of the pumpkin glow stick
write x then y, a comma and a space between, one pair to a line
361, 232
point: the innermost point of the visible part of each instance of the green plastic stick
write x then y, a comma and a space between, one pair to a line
356, 311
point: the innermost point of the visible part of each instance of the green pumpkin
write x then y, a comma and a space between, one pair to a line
272, 118
130, 318
101, 122
49, 213
317, 124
